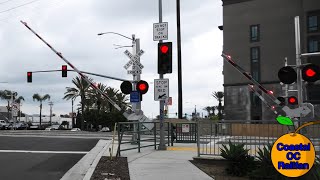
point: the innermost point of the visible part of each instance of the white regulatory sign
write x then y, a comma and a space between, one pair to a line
161, 89
185, 128
160, 31
134, 72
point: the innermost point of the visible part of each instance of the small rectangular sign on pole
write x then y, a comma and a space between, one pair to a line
160, 31
161, 89
135, 96
185, 128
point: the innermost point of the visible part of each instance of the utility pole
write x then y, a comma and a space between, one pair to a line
162, 145
179, 61
72, 116
51, 104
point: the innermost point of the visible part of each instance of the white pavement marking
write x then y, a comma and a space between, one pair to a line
44, 152
79, 170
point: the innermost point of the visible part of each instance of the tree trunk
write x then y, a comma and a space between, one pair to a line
82, 113
40, 113
219, 110
8, 108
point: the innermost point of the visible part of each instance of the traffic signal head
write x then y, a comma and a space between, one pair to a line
126, 87
165, 58
310, 73
142, 87
287, 75
29, 77
64, 71
292, 100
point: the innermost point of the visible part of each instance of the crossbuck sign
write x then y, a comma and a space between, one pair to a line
134, 61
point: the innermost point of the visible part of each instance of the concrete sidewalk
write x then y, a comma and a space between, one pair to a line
162, 165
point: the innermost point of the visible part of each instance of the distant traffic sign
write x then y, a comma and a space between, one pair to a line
161, 89
160, 31
135, 96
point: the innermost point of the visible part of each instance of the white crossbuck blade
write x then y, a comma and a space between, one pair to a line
298, 112
141, 118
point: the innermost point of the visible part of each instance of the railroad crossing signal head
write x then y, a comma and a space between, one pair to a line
142, 87
165, 58
287, 75
64, 71
126, 87
29, 77
292, 100
282, 100
310, 73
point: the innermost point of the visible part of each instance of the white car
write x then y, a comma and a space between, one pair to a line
105, 129
75, 129
49, 129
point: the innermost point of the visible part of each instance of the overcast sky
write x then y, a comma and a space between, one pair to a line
71, 27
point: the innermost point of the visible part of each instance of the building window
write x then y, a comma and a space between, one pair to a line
254, 33
313, 44
255, 63
312, 23
254, 54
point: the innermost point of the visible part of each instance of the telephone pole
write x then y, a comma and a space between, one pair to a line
51, 104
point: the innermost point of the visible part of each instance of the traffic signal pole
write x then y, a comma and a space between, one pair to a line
298, 60
162, 145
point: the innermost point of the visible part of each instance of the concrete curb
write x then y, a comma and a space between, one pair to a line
84, 167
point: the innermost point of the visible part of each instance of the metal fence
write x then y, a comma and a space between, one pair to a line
254, 134
133, 135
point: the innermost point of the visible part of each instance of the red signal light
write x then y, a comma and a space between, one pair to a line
164, 49
142, 87
64, 67
310, 72
292, 100
29, 74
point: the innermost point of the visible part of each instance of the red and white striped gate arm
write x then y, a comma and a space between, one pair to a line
248, 76
262, 99
74, 68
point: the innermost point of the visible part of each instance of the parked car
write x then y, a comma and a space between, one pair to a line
18, 125
49, 129
3, 124
105, 129
75, 129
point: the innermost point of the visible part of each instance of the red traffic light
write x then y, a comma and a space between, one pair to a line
164, 49
292, 100
64, 71
310, 73
142, 87
29, 77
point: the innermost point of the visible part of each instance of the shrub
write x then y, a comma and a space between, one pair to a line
265, 168
240, 162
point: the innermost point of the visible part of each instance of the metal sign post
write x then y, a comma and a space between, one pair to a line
162, 145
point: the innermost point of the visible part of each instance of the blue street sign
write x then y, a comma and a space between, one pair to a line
135, 96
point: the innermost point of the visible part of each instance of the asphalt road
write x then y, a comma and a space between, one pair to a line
40, 166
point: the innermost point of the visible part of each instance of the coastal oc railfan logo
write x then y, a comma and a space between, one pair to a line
293, 155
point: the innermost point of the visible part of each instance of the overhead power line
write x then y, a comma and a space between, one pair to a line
5, 1
18, 6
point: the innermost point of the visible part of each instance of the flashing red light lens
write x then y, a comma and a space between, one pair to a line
64, 67
164, 49
292, 100
228, 56
142, 87
310, 72
270, 92
29, 74
272, 107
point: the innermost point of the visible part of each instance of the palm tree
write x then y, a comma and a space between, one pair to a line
208, 109
219, 96
7, 94
97, 98
18, 100
81, 89
118, 97
40, 99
